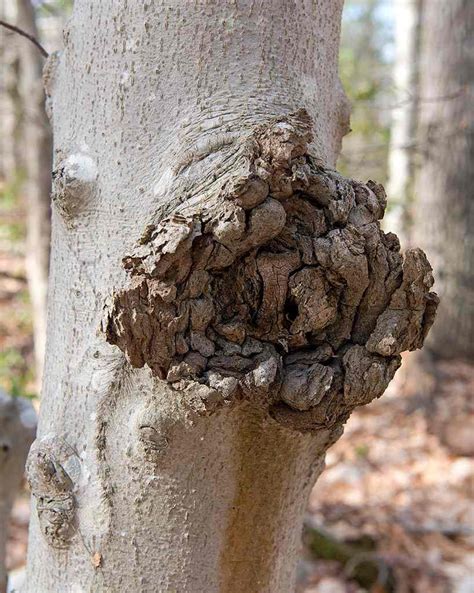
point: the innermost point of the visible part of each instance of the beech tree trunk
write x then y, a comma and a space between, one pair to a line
220, 297
444, 204
38, 163
404, 116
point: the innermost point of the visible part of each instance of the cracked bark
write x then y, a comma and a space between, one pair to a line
221, 297
295, 296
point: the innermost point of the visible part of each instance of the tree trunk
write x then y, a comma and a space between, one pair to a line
444, 204
17, 431
404, 115
11, 107
38, 163
246, 298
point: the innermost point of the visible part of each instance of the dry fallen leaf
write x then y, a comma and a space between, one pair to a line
96, 559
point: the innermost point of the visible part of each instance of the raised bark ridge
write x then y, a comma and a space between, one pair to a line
278, 286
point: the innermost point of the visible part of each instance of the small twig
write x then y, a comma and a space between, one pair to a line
449, 530
12, 276
25, 34
373, 104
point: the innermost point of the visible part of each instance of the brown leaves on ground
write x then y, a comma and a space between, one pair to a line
392, 479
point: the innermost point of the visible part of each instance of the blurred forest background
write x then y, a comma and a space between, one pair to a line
394, 510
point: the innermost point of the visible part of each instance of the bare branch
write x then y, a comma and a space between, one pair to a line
25, 34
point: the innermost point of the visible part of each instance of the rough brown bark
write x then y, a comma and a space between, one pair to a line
444, 209
276, 286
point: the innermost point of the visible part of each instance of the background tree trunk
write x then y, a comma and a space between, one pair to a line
444, 215
444, 203
178, 445
38, 163
11, 107
17, 431
404, 115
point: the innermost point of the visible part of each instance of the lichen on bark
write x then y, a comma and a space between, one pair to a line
274, 283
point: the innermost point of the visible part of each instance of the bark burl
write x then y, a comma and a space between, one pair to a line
273, 282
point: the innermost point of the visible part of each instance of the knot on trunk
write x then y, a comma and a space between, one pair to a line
278, 286
52, 470
73, 184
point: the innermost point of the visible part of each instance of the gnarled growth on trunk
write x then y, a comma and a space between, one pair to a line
273, 282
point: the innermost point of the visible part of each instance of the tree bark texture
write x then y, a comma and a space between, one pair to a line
404, 116
17, 432
220, 297
38, 163
444, 202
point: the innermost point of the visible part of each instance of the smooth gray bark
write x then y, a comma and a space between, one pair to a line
220, 299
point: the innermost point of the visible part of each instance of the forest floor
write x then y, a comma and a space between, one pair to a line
394, 508
399, 498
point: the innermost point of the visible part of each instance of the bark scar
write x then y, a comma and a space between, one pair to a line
52, 470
